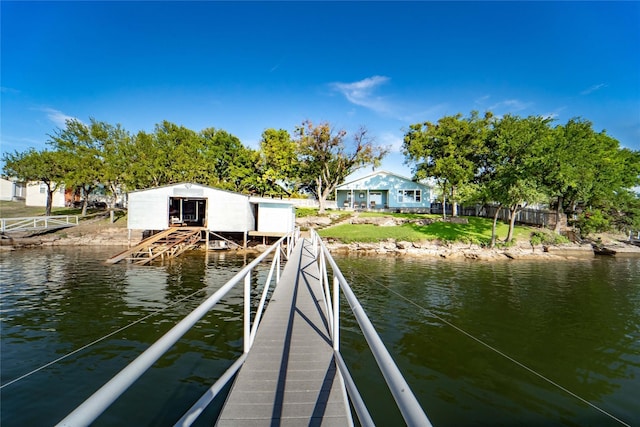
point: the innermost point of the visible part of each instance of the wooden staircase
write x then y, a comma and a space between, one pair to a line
169, 243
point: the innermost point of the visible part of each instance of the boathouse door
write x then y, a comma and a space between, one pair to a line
187, 211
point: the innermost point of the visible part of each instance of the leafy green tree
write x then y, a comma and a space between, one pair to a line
95, 154
325, 160
511, 179
83, 155
279, 162
583, 167
49, 167
230, 164
115, 142
449, 150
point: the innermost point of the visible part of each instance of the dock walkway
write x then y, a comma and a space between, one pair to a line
290, 376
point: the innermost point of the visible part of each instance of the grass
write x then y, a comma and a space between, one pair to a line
304, 212
18, 209
477, 231
10, 209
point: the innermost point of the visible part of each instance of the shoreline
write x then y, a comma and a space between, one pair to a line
118, 236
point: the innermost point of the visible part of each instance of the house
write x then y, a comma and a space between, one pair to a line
36, 195
384, 190
212, 209
11, 189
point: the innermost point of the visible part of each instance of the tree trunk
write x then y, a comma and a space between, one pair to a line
512, 222
444, 205
559, 209
47, 210
112, 204
454, 202
85, 202
493, 229
321, 198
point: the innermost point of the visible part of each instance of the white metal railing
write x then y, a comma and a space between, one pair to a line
409, 406
97, 403
37, 223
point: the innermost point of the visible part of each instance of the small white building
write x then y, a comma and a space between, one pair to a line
11, 189
215, 210
36, 195
273, 216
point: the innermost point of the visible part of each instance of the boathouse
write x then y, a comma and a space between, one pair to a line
212, 209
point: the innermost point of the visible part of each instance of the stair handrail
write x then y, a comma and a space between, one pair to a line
408, 404
100, 400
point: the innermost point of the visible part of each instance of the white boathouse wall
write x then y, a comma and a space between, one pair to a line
276, 217
225, 211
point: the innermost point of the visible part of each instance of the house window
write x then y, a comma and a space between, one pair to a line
409, 196
43, 188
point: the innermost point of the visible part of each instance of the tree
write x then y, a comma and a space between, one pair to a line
325, 161
82, 155
229, 164
509, 169
96, 156
449, 150
278, 162
49, 167
584, 167
115, 142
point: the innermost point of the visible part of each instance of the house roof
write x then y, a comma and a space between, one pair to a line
186, 184
377, 173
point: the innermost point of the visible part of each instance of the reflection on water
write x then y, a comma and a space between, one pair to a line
575, 322
55, 301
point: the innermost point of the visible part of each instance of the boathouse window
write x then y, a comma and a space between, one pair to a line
409, 196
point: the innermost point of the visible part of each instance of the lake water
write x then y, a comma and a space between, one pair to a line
524, 343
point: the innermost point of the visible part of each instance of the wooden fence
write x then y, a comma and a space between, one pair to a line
543, 218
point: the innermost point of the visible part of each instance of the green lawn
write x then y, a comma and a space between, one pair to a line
10, 209
478, 230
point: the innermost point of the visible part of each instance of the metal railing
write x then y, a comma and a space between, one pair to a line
37, 223
97, 403
408, 405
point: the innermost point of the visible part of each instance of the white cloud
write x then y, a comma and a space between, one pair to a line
8, 90
512, 105
361, 93
482, 99
58, 117
593, 89
392, 141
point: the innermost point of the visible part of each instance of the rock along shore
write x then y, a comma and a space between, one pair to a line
463, 251
119, 236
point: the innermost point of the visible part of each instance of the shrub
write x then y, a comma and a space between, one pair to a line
592, 221
546, 238
303, 212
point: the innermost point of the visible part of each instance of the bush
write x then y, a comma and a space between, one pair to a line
592, 221
546, 238
304, 212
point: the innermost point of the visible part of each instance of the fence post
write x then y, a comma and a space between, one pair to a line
336, 313
247, 312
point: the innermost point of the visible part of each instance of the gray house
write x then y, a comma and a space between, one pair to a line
384, 190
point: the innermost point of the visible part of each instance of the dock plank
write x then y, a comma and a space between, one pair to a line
290, 377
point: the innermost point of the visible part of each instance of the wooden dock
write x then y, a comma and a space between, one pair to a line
168, 243
290, 377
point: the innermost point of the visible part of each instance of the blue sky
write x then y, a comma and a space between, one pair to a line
248, 66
